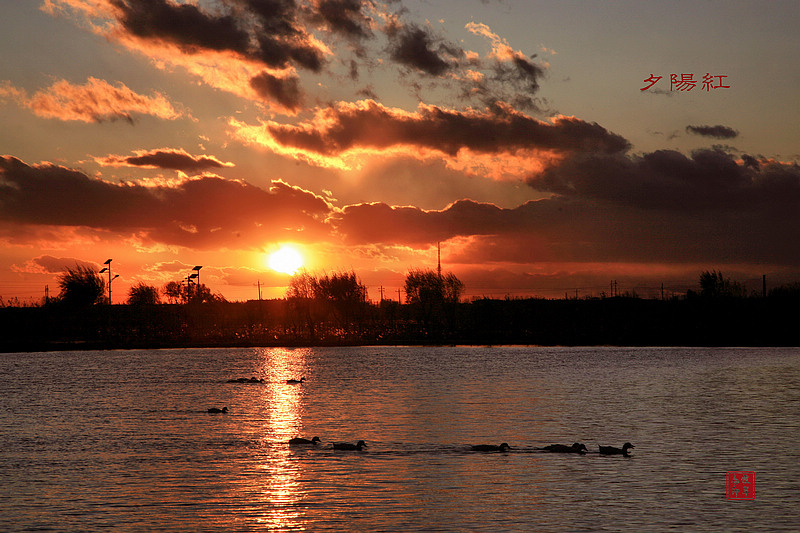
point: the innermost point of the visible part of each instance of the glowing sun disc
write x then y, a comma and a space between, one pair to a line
286, 260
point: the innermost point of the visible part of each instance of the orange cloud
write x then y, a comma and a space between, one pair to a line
501, 50
96, 101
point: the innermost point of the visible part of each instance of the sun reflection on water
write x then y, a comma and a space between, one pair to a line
280, 483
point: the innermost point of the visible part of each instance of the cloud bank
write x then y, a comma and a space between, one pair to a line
199, 212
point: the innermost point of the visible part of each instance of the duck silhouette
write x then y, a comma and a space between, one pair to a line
218, 410
611, 450
297, 441
295, 381
563, 448
490, 447
246, 380
349, 445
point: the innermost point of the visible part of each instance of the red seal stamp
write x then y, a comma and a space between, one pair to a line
740, 485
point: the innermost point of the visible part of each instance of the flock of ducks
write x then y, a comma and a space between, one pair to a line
579, 447
576, 447
261, 380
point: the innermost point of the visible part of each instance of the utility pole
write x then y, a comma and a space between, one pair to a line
380, 289
398, 297
259, 290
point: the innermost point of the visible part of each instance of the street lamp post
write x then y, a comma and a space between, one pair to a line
110, 279
189, 280
196, 274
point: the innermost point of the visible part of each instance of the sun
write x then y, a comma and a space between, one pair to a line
287, 260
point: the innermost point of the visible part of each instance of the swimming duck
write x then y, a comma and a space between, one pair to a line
611, 450
300, 441
218, 410
490, 447
563, 448
349, 446
246, 380
295, 381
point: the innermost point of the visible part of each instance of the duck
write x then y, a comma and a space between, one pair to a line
490, 447
563, 448
218, 410
349, 446
611, 450
301, 441
295, 381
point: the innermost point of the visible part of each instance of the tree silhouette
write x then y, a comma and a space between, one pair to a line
178, 292
300, 295
82, 287
141, 294
434, 297
714, 285
427, 287
174, 291
343, 291
200, 293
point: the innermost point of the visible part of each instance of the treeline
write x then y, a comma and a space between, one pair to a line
333, 310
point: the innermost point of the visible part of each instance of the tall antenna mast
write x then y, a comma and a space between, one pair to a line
439, 262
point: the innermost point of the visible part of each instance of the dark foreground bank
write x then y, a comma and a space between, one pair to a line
609, 321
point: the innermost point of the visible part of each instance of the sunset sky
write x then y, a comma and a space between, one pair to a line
166, 134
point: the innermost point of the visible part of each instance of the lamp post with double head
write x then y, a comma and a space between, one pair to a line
110, 279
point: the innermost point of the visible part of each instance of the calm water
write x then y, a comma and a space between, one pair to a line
122, 440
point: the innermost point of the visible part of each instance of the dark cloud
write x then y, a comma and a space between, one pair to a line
382, 223
672, 181
183, 24
511, 76
717, 132
500, 130
262, 30
523, 72
563, 230
165, 158
286, 91
345, 17
418, 48
199, 212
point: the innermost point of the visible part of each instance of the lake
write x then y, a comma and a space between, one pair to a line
122, 440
